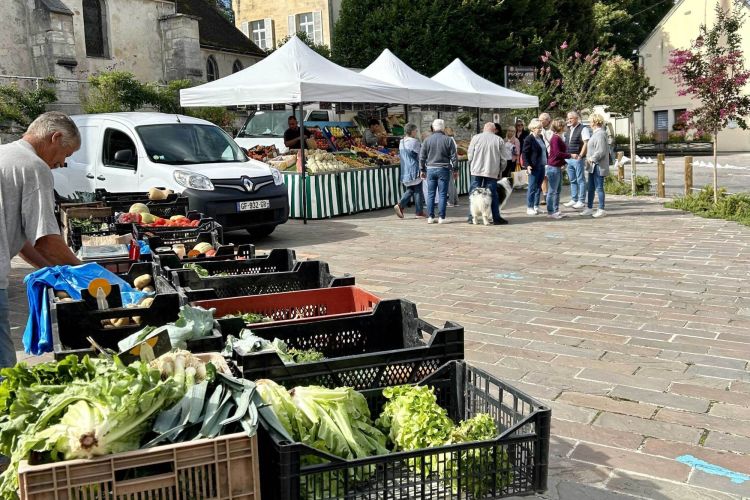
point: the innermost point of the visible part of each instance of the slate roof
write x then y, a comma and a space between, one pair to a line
57, 6
215, 31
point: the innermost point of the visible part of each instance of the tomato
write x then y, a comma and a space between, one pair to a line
195, 223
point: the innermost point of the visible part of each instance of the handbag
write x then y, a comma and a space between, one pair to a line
520, 177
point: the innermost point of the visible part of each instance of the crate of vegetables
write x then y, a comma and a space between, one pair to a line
159, 202
458, 433
80, 220
305, 276
386, 346
166, 260
179, 229
277, 260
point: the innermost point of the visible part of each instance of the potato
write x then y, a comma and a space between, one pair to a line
147, 289
106, 323
61, 295
142, 281
66, 299
121, 322
146, 302
108, 326
137, 320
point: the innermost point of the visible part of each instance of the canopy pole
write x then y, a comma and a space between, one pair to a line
406, 113
302, 159
479, 113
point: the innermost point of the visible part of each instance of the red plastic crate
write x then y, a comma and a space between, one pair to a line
294, 307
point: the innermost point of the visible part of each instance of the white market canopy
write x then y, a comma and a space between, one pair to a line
293, 73
421, 89
488, 95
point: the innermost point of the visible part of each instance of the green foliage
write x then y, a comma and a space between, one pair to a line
625, 24
166, 99
320, 48
545, 88
734, 207
624, 87
116, 91
23, 106
613, 185
645, 137
579, 80
622, 139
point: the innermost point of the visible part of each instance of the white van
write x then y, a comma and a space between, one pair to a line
123, 152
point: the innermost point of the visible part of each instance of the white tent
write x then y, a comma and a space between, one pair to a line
294, 73
489, 95
422, 90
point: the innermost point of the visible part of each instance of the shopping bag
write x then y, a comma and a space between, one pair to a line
520, 178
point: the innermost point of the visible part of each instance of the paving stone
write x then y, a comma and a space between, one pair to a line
719, 483
650, 487
670, 449
646, 427
599, 435
630, 461
654, 384
741, 386
659, 398
734, 412
731, 397
568, 383
704, 421
687, 378
607, 404
715, 371
729, 442
571, 413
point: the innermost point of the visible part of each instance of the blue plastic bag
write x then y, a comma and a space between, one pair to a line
37, 338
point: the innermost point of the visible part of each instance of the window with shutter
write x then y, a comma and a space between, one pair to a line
291, 25
258, 32
270, 38
94, 28
661, 120
245, 28
306, 25
317, 27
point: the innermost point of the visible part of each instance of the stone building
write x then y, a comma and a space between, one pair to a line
267, 23
156, 40
678, 28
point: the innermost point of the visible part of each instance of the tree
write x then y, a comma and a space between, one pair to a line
625, 24
23, 106
712, 73
578, 77
320, 48
225, 8
625, 88
116, 91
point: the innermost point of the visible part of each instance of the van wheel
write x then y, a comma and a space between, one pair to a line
260, 232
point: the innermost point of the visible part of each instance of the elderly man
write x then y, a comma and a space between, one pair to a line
437, 160
577, 137
488, 156
27, 205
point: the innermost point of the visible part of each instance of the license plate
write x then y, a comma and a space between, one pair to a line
243, 206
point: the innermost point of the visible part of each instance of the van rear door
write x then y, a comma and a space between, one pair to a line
118, 161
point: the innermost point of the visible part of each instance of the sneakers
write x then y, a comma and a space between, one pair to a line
421, 215
599, 213
556, 215
536, 210
442, 221
430, 220
579, 204
500, 222
399, 212
570, 203
530, 211
586, 211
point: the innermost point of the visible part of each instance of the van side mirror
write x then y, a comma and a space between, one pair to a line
123, 156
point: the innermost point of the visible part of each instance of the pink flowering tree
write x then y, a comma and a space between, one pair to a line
713, 74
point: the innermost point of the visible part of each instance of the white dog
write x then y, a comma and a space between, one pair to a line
481, 205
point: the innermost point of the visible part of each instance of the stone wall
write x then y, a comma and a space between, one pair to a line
225, 61
254, 10
181, 48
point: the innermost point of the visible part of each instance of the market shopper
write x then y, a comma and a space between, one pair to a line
597, 166
408, 152
520, 131
371, 133
487, 159
547, 134
437, 161
513, 148
291, 135
28, 226
535, 157
576, 137
452, 189
553, 171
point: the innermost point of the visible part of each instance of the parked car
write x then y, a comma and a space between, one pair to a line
136, 151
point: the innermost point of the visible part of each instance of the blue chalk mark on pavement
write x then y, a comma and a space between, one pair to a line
716, 470
508, 276
554, 235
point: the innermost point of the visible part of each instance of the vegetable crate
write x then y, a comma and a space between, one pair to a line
222, 468
305, 276
294, 307
189, 236
514, 463
278, 260
388, 346
96, 213
175, 204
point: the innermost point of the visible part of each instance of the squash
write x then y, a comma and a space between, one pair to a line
156, 194
203, 247
142, 281
139, 208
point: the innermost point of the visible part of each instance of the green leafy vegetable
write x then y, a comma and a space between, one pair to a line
249, 343
89, 225
199, 270
192, 323
250, 317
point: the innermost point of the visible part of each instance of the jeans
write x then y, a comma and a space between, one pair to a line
534, 192
437, 178
414, 191
577, 176
7, 349
554, 178
596, 183
452, 191
491, 184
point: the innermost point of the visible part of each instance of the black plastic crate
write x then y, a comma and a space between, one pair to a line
514, 463
175, 204
189, 236
389, 346
167, 261
276, 261
305, 276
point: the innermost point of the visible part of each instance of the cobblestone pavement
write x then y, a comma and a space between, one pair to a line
634, 329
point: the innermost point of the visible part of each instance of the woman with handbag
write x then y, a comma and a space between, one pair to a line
597, 166
535, 157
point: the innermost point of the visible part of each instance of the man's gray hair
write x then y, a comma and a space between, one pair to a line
438, 125
574, 113
409, 128
489, 127
50, 122
545, 116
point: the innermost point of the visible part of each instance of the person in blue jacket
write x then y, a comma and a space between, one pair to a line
408, 151
28, 226
535, 158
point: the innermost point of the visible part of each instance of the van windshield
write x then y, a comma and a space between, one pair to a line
265, 124
189, 144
